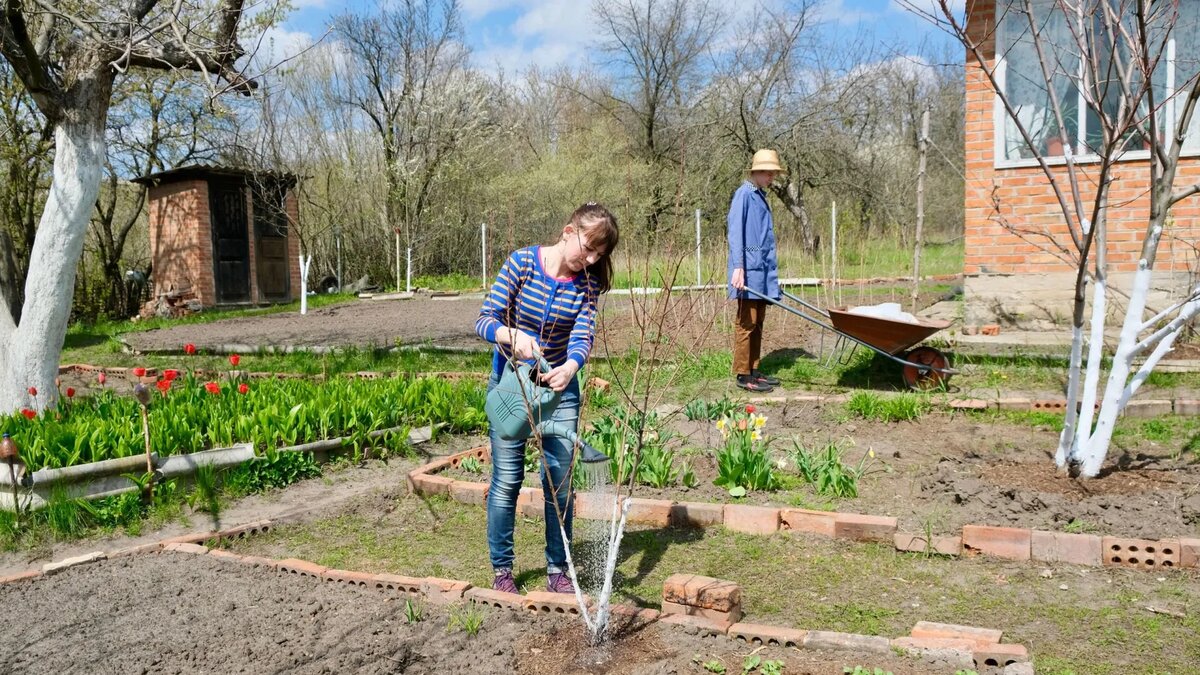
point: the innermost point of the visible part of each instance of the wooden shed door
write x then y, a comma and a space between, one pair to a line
231, 241
270, 243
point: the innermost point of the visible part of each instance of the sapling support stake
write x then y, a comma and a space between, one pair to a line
142, 394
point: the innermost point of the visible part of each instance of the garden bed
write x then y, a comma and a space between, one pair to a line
249, 618
946, 470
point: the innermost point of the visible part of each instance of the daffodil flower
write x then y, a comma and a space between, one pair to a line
871, 453
760, 421
721, 424
755, 435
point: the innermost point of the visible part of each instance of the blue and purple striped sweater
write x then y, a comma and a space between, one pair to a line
560, 313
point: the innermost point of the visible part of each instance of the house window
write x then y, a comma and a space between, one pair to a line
1022, 78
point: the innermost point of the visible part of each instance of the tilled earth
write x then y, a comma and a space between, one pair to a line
184, 613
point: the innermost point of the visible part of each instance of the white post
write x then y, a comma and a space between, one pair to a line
697, 248
304, 264
833, 246
341, 282
923, 145
483, 270
408, 273
397, 258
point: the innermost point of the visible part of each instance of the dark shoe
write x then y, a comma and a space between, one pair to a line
504, 582
765, 379
559, 582
750, 383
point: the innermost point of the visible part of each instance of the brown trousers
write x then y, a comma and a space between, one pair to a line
747, 336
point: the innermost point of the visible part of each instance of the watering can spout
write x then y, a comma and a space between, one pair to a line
590, 455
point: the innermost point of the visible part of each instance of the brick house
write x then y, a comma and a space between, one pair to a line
1014, 277
223, 236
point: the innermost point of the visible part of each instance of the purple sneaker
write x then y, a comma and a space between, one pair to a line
504, 582
559, 582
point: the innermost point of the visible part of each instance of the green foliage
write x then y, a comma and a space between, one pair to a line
207, 495
273, 470
467, 619
689, 479
412, 612
862, 670
657, 468
754, 663
471, 465
65, 517
700, 409
714, 666
449, 282
274, 413
617, 436
897, 408
742, 462
825, 471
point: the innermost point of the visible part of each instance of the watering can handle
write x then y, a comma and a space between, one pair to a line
543, 364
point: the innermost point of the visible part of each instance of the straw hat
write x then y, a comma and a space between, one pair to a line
766, 160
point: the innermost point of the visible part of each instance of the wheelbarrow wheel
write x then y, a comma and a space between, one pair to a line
922, 377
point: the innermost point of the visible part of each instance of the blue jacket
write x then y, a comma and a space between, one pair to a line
752, 242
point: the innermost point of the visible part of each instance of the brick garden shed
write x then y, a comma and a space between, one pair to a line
223, 236
1011, 277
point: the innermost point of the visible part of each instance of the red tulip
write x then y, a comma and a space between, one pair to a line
170, 375
212, 387
139, 371
243, 388
33, 391
189, 349
750, 409
101, 378
163, 385
70, 392
234, 359
29, 414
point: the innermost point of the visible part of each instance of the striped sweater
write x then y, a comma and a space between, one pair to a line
560, 313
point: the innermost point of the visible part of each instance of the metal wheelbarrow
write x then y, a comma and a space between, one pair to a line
923, 367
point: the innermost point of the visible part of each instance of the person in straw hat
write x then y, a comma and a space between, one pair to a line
752, 264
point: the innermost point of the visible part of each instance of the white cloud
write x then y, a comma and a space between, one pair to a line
545, 33
277, 45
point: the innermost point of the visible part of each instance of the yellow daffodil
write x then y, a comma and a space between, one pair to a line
871, 453
721, 424
755, 435
760, 421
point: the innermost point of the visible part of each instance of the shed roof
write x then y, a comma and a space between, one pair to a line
193, 171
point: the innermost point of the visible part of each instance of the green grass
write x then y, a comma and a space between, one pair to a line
1098, 625
450, 282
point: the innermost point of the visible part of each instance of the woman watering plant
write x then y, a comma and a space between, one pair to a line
544, 303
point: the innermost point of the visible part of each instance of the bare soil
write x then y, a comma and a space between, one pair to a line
948, 470
182, 613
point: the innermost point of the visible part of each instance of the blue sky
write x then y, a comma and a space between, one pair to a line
514, 34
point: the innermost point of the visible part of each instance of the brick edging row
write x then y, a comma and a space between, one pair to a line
1010, 543
965, 645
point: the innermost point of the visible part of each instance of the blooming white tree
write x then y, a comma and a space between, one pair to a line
1111, 77
68, 56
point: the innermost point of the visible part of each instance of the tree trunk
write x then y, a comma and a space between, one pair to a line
29, 352
792, 196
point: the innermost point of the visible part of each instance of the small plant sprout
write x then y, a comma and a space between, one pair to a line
471, 465
412, 612
467, 619
714, 666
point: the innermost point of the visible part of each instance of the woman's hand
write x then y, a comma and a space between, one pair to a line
558, 378
524, 345
738, 281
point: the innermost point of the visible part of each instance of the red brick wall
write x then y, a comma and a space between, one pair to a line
1024, 198
292, 208
181, 239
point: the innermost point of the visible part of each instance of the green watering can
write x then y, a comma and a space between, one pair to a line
517, 404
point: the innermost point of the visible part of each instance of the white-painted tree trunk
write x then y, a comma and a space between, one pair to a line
29, 352
304, 265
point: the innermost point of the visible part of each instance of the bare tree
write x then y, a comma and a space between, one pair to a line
68, 56
657, 47
1096, 67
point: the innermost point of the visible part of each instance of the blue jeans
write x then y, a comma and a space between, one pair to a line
508, 472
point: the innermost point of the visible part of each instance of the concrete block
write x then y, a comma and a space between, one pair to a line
751, 519
860, 527
22, 576
1076, 549
758, 634
544, 602
1013, 543
443, 591
732, 616
1187, 406
697, 514
399, 585
1189, 553
654, 512
496, 599
957, 653
479, 452
821, 639
917, 543
55, 567
705, 592
243, 531
1141, 553
980, 637
1149, 407
300, 568
349, 578
1000, 656
196, 549
469, 493
436, 466
695, 625
804, 520
1055, 405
